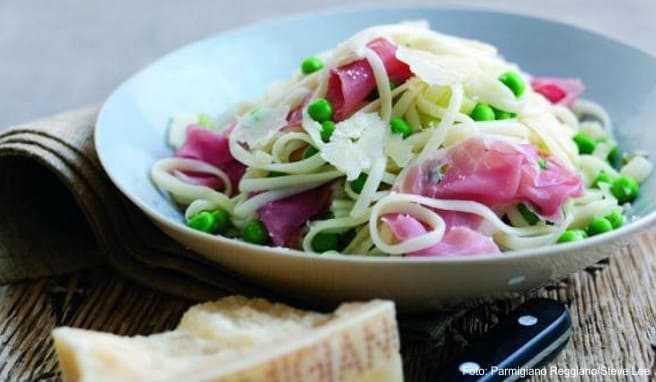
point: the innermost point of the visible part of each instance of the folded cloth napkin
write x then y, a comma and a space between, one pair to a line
61, 213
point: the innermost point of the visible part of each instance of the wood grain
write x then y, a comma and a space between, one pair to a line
613, 306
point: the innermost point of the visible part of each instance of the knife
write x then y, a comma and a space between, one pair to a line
525, 339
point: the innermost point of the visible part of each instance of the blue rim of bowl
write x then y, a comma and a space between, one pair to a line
554, 249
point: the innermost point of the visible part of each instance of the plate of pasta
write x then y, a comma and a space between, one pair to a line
427, 155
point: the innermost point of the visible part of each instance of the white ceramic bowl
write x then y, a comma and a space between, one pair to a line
212, 74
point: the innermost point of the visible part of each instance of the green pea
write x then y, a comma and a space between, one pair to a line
358, 184
599, 226
500, 114
399, 126
528, 215
585, 143
542, 164
625, 189
222, 220
311, 65
572, 235
204, 120
616, 219
210, 221
602, 177
320, 110
482, 112
325, 242
256, 233
203, 221
327, 130
514, 82
309, 151
613, 156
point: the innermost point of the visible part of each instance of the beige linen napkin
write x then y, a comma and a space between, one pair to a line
60, 213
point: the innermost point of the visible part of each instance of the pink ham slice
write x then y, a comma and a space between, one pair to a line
472, 171
550, 188
285, 217
561, 91
460, 219
496, 174
211, 147
350, 85
295, 116
200, 179
459, 240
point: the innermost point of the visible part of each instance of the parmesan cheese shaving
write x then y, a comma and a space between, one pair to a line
443, 70
356, 144
398, 150
177, 131
258, 127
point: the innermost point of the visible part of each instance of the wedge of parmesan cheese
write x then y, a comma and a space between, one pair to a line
245, 340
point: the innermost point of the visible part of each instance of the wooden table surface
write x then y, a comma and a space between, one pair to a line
612, 304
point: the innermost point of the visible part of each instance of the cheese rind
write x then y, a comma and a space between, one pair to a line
236, 339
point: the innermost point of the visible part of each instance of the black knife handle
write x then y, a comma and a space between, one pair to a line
527, 337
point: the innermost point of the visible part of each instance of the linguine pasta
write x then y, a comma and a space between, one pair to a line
390, 144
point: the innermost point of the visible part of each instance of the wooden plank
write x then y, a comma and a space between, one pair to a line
613, 309
98, 300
